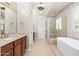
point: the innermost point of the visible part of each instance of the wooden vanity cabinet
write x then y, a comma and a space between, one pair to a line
17, 47
7, 50
20, 46
23, 45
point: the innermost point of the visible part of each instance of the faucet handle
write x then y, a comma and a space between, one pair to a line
6, 34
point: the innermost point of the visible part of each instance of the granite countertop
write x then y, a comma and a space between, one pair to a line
12, 37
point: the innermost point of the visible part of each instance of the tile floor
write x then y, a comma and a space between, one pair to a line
43, 48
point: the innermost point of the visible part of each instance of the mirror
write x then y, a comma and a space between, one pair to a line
7, 18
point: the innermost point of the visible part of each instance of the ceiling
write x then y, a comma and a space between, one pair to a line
52, 8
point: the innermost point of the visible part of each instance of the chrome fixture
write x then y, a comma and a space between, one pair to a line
4, 36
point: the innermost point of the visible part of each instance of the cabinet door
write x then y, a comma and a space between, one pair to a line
23, 46
9, 53
7, 50
17, 50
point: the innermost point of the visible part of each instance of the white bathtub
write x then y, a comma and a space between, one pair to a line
68, 46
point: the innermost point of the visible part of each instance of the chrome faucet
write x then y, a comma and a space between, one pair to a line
4, 36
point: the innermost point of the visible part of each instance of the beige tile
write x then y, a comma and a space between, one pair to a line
55, 49
42, 48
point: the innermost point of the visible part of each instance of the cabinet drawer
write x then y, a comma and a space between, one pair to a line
17, 42
6, 47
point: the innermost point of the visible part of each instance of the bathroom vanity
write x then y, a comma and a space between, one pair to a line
16, 46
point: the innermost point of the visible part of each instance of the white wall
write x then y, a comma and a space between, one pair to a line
70, 13
41, 26
48, 23
50, 20
39, 21
52, 25
24, 21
